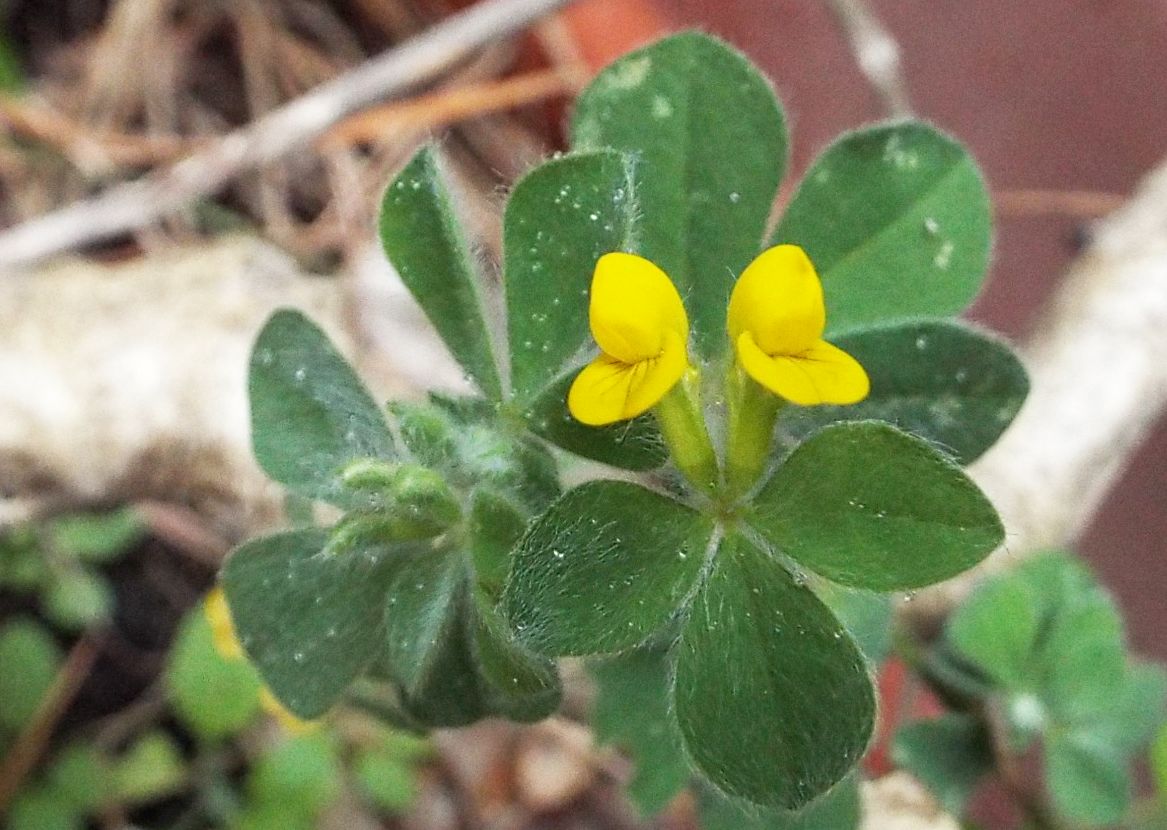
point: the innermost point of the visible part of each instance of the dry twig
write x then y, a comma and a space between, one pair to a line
137, 204
877, 54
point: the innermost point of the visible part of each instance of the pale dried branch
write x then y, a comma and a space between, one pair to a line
876, 52
131, 206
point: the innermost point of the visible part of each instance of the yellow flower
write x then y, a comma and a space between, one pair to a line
639, 322
291, 724
776, 321
222, 628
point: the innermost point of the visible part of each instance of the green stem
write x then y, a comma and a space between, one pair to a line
683, 426
753, 411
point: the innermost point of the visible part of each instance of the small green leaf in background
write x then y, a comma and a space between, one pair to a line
771, 694
603, 569
78, 598
302, 776
866, 615
12, 78
954, 386
1087, 783
949, 755
152, 767
79, 776
42, 808
560, 219
96, 537
1084, 657
513, 682
997, 628
214, 696
310, 413
29, 660
310, 623
1159, 763
896, 219
425, 243
709, 138
866, 505
838, 809
631, 711
387, 780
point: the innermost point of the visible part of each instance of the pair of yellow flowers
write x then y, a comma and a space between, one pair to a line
776, 320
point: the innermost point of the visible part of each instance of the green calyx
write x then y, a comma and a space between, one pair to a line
682, 425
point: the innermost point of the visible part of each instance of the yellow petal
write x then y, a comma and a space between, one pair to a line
222, 628
291, 723
823, 374
608, 390
633, 304
779, 299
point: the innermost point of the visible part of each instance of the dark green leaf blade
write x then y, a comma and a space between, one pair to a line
1087, 783
310, 622
839, 809
710, 140
772, 696
896, 219
560, 219
310, 413
603, 569
513, 682
632, 712
866, 505
949, 755
422, 237
631, 445
949, 383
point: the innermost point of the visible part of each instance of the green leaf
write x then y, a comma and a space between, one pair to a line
212, 695
512, 681
948, 383
387, 780
79, 777
29, 659
867, 616
1084, 659
772, 696
896, 219
12, 79
632, 445
42, 808
496, 525
310, 413
78, 598
310, 622
452, 657
632, 711
422, 616
603, 569
710, 141
997, 629
866, 505
96, 537
1159, 763
424, 240
151, 768
1130, 721
949, 755
302, 775
1086, 782
838, 809
561, 217
1057, 581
